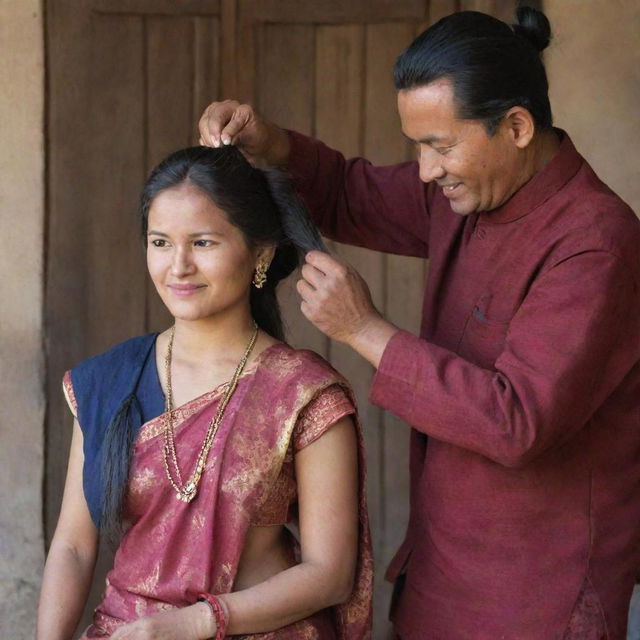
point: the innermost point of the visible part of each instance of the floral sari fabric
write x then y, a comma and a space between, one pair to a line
173, 550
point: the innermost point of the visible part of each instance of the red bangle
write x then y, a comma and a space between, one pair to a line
218, 614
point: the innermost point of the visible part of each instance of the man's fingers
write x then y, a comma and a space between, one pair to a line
312, 275
239, 119
306, 310
325, 263
215, 118
223, 121
207, 126
305, 290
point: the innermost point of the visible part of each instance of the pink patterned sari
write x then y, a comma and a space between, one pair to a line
173, 550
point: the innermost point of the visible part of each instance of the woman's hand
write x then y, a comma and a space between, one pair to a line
195, 622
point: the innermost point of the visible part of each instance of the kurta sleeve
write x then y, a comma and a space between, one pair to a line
570, 344
329, 406
70, 397
352, 201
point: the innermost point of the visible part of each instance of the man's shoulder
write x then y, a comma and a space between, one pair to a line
593, 217
598, 195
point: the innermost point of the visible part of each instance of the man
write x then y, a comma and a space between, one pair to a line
522, 389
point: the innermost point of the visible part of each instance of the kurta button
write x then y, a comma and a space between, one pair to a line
481, 233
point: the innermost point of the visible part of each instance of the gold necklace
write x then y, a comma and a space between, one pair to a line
187, 492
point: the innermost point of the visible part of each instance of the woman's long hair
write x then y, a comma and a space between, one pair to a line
266, 209
262, 204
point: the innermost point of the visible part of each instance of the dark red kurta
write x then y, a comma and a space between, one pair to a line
526, 502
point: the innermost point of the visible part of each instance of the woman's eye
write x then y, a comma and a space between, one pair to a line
159, 243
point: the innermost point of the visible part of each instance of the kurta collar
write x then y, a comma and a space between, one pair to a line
542, 186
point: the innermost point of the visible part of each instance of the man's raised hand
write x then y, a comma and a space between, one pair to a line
229, 122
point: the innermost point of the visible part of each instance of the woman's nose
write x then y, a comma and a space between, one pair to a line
182, 263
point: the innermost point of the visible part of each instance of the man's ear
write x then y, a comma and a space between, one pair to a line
519, 126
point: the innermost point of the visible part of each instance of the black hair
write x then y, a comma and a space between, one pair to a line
492, 66
262, 204
267, 210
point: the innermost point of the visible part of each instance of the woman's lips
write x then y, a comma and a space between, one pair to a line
185, 290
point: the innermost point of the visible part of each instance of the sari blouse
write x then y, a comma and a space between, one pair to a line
172, 550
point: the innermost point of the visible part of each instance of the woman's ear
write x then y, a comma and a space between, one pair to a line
265, 254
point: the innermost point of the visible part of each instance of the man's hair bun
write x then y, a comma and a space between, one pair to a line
534, 27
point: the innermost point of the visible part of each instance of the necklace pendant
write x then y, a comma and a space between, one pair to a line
185, 496
188, 492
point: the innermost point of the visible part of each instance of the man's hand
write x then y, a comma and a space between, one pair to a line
337, 300
189, 623
230, 122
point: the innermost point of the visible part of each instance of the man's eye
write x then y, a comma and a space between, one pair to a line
444, 150
203, 243
159, 243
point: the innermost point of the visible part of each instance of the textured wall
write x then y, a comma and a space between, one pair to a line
594, 73
21, 279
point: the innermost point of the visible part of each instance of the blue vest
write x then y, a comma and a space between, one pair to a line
120, 384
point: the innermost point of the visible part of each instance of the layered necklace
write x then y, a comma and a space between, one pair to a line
187, 491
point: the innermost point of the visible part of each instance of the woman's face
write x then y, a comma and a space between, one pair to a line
199, 262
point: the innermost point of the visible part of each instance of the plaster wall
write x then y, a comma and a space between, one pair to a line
593, 64
21, 341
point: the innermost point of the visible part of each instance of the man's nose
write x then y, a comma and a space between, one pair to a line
430, 165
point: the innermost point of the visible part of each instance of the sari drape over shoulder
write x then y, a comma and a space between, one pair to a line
173, 550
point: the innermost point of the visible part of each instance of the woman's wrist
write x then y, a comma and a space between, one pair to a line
225, 610
206, 620
218, 618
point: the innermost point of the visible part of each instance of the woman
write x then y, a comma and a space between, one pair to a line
197, 446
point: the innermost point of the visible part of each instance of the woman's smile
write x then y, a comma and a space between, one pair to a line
186, 289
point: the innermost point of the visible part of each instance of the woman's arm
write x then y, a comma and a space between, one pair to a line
327, 478
72, 556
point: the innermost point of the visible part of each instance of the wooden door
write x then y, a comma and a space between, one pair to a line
127, 82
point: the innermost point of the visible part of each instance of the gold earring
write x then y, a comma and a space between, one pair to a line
260, 276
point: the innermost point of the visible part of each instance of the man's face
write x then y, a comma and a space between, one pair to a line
477, 172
